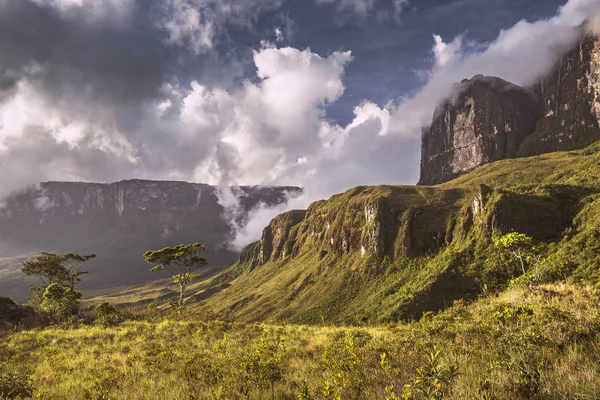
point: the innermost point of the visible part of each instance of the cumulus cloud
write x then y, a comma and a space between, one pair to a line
446, 53
97, 99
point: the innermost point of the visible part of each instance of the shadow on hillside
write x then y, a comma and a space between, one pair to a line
208, 292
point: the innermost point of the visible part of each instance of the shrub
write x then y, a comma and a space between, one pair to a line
108, 315
15, 384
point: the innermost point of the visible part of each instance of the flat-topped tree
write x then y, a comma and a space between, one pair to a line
58, 294
180, 261
57, 268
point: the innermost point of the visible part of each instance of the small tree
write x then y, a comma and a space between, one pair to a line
60, 300
60, 277
180, 261
57, 268
520, 246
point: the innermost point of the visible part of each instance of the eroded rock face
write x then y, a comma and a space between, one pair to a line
120, 221
490, 119
407, 221
569, 100
487, 121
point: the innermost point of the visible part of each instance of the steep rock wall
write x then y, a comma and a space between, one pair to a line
402, 221
487, 122
119, 221
489, 119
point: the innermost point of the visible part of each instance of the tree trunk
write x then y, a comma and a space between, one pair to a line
181, 291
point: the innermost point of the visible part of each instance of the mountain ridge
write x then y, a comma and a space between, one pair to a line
488, 119
119, 221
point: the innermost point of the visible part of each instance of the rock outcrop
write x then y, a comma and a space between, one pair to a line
13, 315
119, 221
403, 221
569, 101
490, 119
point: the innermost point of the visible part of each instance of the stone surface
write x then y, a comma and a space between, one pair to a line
490, 119
569, 101
120, 221
403, 221
487, 121
13, 314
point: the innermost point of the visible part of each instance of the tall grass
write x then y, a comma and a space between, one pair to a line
521, 344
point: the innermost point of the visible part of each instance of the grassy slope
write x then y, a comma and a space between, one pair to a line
310, 288
540, 344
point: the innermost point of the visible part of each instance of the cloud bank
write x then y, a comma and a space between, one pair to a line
108, 90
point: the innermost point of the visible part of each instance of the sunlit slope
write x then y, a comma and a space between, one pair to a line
392, 252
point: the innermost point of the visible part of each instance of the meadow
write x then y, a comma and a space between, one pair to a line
522, 343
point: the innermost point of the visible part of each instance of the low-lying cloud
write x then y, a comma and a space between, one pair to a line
107, 90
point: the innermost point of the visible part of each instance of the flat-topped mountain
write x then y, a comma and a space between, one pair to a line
488, 119
119, 221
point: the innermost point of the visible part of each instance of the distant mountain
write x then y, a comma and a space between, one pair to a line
118, 222
489, 119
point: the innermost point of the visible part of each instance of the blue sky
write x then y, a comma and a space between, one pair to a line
323, 94
389, 53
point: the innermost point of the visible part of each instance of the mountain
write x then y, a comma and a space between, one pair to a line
507, 158
119, 222
489, 119
377, 254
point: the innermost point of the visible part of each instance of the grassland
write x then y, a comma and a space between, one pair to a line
454, 322
519, 344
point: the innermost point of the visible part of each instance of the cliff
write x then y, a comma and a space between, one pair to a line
385, 253
119, 221
489, 119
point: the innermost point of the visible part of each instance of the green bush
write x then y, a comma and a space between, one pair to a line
14, 383
108, 315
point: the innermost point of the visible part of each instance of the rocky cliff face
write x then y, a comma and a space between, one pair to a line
120, 221
569, 102
490, 119
403, 221
487, 122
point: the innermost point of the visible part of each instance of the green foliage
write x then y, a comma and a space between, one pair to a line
180, 261
60, 301
108, 315
542, 342
15, 383
58, 294
56, 268
512, 314
433, 379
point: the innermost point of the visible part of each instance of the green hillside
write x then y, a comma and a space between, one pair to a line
435, 245
522, 344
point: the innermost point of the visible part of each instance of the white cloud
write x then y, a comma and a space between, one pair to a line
446, 53
272, 129
196, 24
521, 54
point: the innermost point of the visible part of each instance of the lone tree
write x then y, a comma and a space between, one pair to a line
520, 246
181, 262
58, 295
57, 268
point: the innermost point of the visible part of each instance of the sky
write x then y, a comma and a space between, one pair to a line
323, 94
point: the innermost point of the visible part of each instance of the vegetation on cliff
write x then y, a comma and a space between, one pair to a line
379, 254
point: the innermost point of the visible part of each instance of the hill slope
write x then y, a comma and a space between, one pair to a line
383, 253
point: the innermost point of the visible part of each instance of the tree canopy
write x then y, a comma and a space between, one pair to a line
56, 268
180, 261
